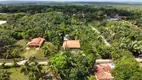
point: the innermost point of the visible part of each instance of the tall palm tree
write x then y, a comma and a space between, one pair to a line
33, 70
25, 68
4, 75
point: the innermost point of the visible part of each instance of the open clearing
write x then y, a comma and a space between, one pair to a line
32, 52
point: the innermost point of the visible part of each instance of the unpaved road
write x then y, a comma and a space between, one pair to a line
105, 41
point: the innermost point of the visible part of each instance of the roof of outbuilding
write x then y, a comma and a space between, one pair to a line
71, 44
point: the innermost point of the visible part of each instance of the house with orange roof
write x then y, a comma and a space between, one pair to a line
103, 72
36, 42
71, 44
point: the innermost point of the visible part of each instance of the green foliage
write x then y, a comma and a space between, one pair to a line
118, 54
104, 51
122, 35
3, 65
4, 75
73, 67
33, 70
92, 77
15, 63
55, 22
126, 67
8, 49
112, 24
58, 63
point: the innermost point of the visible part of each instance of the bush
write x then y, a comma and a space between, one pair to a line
126, 67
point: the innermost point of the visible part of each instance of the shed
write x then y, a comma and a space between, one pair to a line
71, 44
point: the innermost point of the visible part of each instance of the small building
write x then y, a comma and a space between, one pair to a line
71, 44
36, 42
103, 72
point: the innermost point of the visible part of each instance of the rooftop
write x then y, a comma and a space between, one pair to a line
103, 72
36, 42
71, 44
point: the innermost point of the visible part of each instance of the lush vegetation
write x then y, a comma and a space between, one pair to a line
89, 24
126, 66
70, 66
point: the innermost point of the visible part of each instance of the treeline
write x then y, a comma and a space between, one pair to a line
91, 12
22, 8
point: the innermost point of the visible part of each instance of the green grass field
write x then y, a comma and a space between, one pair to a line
22, 42
33, 52
16, 75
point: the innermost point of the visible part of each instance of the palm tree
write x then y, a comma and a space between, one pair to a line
33, 70
4, 75
46, 51
136, 46
25, 68
3, 65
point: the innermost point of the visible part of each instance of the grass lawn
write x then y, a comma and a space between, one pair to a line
22, 42
33, 52
39, 53
16, 75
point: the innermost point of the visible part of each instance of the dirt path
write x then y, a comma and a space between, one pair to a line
98, 61
20, 63
105, 41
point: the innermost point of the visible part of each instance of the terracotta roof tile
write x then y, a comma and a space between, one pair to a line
103, 72
106, 67
36, 42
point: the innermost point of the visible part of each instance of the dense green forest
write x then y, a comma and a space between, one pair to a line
89, 24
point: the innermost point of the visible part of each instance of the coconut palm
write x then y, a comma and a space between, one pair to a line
4, 75
33, 70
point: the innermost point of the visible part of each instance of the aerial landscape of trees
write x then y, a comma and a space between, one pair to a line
53, 23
